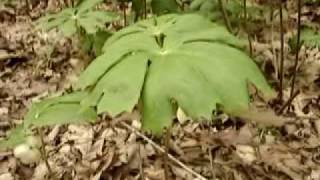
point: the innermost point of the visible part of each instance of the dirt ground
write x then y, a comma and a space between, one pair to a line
116, 148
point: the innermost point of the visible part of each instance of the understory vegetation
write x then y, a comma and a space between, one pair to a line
230, 88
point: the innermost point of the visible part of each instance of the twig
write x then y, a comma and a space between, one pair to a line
165, 154
281, 73
172, 158
297, 50
225, 16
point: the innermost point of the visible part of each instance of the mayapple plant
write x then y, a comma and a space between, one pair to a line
165, 63
84, 20
73, 19
168, 62
234, 10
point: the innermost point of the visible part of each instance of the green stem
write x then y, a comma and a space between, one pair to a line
124, 12
44, 153
165, 155
145, 9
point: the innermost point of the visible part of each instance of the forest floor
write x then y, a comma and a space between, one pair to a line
116, 149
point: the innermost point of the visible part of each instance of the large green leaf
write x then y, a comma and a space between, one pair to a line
69, 20
170, 61
52, 111
59, 110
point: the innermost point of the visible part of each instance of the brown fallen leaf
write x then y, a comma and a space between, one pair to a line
246, 153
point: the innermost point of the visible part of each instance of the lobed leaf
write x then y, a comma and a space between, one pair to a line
52, 21
168, 62
69, 20
59, 110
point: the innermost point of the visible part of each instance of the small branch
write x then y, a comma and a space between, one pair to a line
172, 158
225, 16
297, 50
281, 73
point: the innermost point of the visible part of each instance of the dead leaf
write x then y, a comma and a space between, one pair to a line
246, 153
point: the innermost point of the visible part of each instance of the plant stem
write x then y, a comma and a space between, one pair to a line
123, 7
165, 154
281, 73
211, 163
297, 50
225, 16
274, 55
145, 9
287, 104
245, 24
28, 8
43, 152
141, 164
72, 3
182, 5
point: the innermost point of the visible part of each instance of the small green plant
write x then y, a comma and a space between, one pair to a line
310, 37
234, 10
52, 111
167, 62
78, 18
171, 61
158, 7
